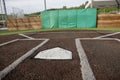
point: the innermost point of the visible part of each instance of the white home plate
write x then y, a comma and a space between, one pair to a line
54, 53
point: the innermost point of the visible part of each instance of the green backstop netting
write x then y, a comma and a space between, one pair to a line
83, 18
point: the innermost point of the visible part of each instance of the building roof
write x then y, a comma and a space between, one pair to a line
103, 3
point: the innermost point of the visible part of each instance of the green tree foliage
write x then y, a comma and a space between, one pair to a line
78, 7
107, 10
64, 7
100, 10
33, 14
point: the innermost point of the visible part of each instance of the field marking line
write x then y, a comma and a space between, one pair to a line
107, 35
9, 42
97, 38
33, 39
12, 66
26, 36
117, 39
87, 73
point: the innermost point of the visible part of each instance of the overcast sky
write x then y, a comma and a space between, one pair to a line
38, 5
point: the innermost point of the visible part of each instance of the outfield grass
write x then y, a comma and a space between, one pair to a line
41, 30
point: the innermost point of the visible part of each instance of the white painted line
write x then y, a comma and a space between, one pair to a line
86, 70
117, 40
33, 39
26, 36
12, 66
9, 42
110, 39
107, 35
97, 38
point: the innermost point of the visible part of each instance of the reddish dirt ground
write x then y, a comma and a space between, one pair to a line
13, 51
114, 36
34, 69
104, 57
67, 34
9, 38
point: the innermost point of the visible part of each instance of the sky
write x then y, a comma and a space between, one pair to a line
29, 6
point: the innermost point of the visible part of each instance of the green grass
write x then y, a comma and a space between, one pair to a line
42, 30
17, 32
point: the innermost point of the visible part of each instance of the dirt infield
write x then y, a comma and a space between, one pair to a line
13, 51
104, 59
48, 69
67, 34
9, 38
100, 47
114, 36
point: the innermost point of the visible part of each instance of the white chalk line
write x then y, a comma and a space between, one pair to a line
26, 36
12, 41
107, 39
97, 38
9, 42
18, 39
12, 66
87, 73
117, 39
107, 35
33, 39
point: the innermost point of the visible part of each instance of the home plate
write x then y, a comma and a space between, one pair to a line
54, 53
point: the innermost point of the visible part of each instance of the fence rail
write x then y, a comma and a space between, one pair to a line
24, 23
103, 21
108, 21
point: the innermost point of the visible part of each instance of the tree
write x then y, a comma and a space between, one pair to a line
64, 7
82, 6
86, 3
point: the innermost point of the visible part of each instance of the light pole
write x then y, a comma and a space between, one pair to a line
4, 7
91, 4
45, 4
5, 12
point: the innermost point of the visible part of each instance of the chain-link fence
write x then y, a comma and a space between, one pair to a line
16, 13
32, 8
3, 17
24, 8
16, 9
